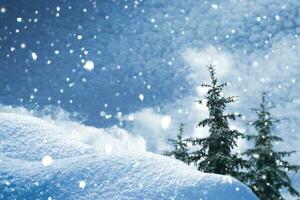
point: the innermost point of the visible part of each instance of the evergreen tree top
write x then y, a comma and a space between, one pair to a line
216, 102
215, 153
264, 124
180, 150
268, 172
179, 142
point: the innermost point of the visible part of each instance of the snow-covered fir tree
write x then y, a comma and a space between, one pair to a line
180, 150
268, 171
214, 154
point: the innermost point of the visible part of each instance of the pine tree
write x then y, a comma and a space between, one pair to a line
214, 153
268, 172
180, 151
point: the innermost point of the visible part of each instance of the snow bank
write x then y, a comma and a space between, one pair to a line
80, 171
30, 138
100, 138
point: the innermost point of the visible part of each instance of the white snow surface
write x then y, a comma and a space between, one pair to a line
80, 171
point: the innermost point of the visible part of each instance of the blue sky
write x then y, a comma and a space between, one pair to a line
149, 58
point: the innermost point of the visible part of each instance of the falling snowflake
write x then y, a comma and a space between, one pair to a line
82, 184
19, 19
34, 56
214, 6
165, 122
23, 45
3, 10
47, 161
141, 97
152, 20
130, 117
89, 65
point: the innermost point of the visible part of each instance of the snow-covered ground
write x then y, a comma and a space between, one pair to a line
40, 161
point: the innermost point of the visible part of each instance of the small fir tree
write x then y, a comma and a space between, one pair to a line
268, 171
215, 152
180, 150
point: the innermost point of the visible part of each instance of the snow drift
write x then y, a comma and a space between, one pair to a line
79, 171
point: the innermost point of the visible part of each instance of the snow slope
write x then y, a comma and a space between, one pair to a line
79, 171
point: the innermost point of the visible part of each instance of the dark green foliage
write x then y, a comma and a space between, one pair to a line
268, 172
214, 153
180, 151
